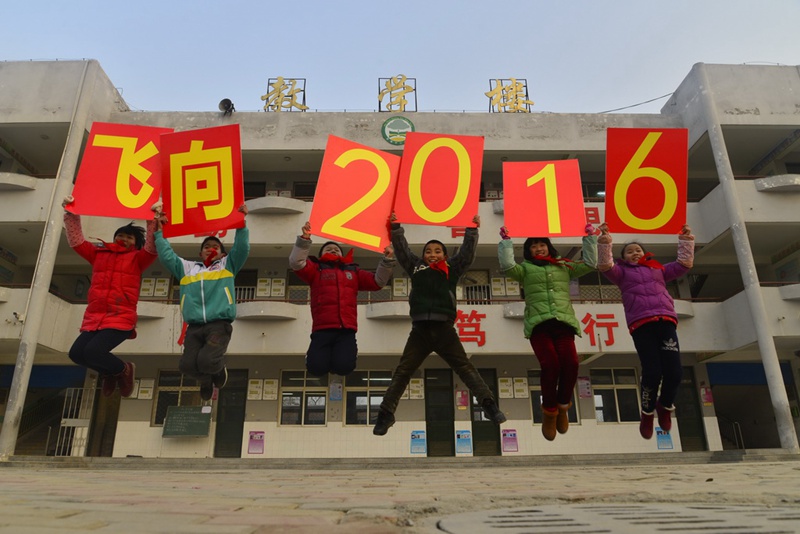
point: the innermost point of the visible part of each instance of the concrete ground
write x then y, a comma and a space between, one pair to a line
415, 495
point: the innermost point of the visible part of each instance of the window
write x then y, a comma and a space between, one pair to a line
535, 386
616, 395
363, 396
174, 389
303, 398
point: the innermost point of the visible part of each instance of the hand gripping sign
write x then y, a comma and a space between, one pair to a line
646, 177
120, 173
203, 185
354, 194
439, 181
543, 198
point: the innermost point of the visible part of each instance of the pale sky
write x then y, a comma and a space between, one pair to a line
578, 56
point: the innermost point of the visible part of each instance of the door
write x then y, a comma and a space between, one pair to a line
231, 401
485, 434
104, 425
440, 412
689, 414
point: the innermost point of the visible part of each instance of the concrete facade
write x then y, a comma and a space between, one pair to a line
755, 109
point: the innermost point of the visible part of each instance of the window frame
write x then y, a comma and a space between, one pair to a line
311, 387
187, 390
535, 391
373, 393
616, 387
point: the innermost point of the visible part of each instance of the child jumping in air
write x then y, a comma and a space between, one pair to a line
208, 303
433, 312
335, 282
652, 321
110, 316
550, 323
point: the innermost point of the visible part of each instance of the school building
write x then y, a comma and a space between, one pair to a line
739, 306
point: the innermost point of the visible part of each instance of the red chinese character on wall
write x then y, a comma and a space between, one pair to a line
469, 327
592, 215
458, 231
590, 323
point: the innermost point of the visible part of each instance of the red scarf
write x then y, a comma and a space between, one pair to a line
115, 247
441, 266
330, 257
647, 262
561, 262
210, 259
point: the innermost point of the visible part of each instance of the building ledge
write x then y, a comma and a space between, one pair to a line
790, 292
684, 308
153, 310
514, 310
266, 310
388, 310
281, 205
780, 183
5, 293
11, 181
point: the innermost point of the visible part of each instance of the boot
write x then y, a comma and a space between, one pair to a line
109, 385
549, 423
664, 416
562, 420
125, 379
220, 379
384, 422
206, 388
492, 411
646, 425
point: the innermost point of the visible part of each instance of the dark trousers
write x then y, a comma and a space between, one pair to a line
204, 349
440, 337
553, 342
93, 350
660, 356
332, 351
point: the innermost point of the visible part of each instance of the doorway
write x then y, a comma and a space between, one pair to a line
689, 414
485, 434
440, 412
231, 403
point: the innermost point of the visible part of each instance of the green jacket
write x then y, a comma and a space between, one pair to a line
547, 287
207, 293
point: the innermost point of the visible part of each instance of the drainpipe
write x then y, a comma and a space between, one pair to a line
40, 287
747, 266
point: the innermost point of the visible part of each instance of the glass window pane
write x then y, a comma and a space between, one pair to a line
536, 405
628, 404
317, 381
315, 409
169, 379
356, 408
190, 382
375, 400
534, 377
291, 408
164, 400
293, 379
601, 376
625, 377
380, 379
605, 406
357, 379
190, 398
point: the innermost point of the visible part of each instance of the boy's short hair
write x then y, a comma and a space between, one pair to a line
444, 248
212, 238
137, 232
526, 248
341, 252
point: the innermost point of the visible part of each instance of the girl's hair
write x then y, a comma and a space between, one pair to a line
341, 252
137, 232
444, 248
212, 238
626, 245
526, 248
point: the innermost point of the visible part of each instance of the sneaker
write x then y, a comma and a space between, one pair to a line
384, 422
206, 390
664, 417
493, 412
549, 423
562, 419
109, 385
646, 425
220, 379
125, 379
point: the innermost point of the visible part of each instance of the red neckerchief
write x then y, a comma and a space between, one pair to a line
647, 262
210, 259
182, 336
561, 262
115, 247
442, 266
330, 257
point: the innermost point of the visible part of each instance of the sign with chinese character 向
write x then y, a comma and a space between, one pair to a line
120, 173
646, 180
203, 185
439, 181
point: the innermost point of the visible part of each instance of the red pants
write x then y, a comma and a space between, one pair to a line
553, 342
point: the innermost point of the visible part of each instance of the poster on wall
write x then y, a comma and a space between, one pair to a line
663, 439
462, 399
510, 440
255, 445
463, 442
419, 445
584, 387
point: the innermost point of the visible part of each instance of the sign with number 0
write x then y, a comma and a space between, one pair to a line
354, 194
543, 198
646, 177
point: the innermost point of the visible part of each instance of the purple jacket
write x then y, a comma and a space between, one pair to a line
644, 289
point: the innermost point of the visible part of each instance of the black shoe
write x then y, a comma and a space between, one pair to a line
206, 390
493, 412
220, 379
384, 422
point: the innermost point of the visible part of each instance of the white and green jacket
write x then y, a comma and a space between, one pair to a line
207, 293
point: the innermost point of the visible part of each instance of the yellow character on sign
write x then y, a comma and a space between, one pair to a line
201, 177
396, 89
130, 165
283, 95
510, 98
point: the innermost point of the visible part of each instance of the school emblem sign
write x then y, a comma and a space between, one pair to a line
394, 130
